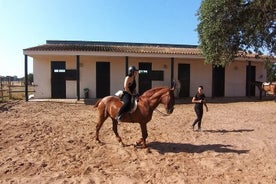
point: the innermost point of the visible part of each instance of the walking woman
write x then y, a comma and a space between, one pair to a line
199, 101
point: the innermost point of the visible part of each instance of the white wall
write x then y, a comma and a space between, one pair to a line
235, 79
71, 89
88, 73
200, 74
42, 77
162, 64
87, 76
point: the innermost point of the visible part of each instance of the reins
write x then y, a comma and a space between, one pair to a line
160, 112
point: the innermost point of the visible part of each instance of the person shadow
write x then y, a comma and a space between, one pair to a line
168, 147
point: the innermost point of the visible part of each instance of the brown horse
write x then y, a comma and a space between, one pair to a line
110, 105
269, 88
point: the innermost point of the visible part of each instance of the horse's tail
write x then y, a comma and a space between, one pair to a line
97, 103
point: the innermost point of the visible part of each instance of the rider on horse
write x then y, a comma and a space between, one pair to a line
129, 91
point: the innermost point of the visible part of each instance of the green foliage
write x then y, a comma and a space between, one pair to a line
271, 71
30, 78
227, 27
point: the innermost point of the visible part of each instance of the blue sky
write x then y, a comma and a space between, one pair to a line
28, 23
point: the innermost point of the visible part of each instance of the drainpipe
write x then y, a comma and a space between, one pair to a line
172, 70
26, 79
126, 64
78, 76
249, 78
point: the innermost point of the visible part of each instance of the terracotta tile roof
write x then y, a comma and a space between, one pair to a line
126, 48
121, 47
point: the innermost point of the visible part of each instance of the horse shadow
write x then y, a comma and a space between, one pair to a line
229, 131
8, 106
167, 147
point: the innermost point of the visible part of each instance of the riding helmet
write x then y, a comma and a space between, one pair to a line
131, 70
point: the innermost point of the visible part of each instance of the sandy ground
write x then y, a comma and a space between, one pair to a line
49, 142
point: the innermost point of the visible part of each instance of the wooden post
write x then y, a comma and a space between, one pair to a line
249, 78
78, 76
1, 88
172, 70
9, 88
26, 79
126, 63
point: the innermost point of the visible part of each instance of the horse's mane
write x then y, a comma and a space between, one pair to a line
153, 91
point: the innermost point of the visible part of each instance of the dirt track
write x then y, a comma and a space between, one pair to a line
50, 142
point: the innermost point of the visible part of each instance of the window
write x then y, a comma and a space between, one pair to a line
59, 70
143, 71
71, 74
157, 75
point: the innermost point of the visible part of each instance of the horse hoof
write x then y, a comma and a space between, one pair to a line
100, 142
148, 150
122, 144
141, 146
138, 143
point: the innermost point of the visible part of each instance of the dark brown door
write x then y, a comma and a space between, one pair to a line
58, 79
102, 79
184, 79
144, 77
250, 76
218, 81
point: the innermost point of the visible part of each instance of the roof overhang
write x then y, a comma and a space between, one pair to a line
108, 54
122, 49
126, 54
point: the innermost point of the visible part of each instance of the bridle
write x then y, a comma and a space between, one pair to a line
168, 110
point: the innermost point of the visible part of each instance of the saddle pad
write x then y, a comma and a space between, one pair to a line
134, 106
119, 93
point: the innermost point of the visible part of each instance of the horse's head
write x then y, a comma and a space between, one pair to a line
168, 100
163, 95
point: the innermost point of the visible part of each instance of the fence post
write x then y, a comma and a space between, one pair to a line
1, 88
26, 79
10, 91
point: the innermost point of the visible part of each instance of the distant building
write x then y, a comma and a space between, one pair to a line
63, 69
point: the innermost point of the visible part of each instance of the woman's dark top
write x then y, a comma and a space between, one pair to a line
199, 97
132, 86
126, 98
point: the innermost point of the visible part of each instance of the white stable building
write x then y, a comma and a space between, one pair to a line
65, 69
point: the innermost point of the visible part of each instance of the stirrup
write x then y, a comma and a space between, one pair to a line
118, 117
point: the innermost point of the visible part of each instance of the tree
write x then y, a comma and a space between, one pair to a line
229, 27
30, 78
270, 71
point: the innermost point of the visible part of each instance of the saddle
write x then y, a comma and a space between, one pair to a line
266, 83
134, 100
269, 88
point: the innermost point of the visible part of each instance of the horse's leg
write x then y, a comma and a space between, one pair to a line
115, 130
101, 118
142, 141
